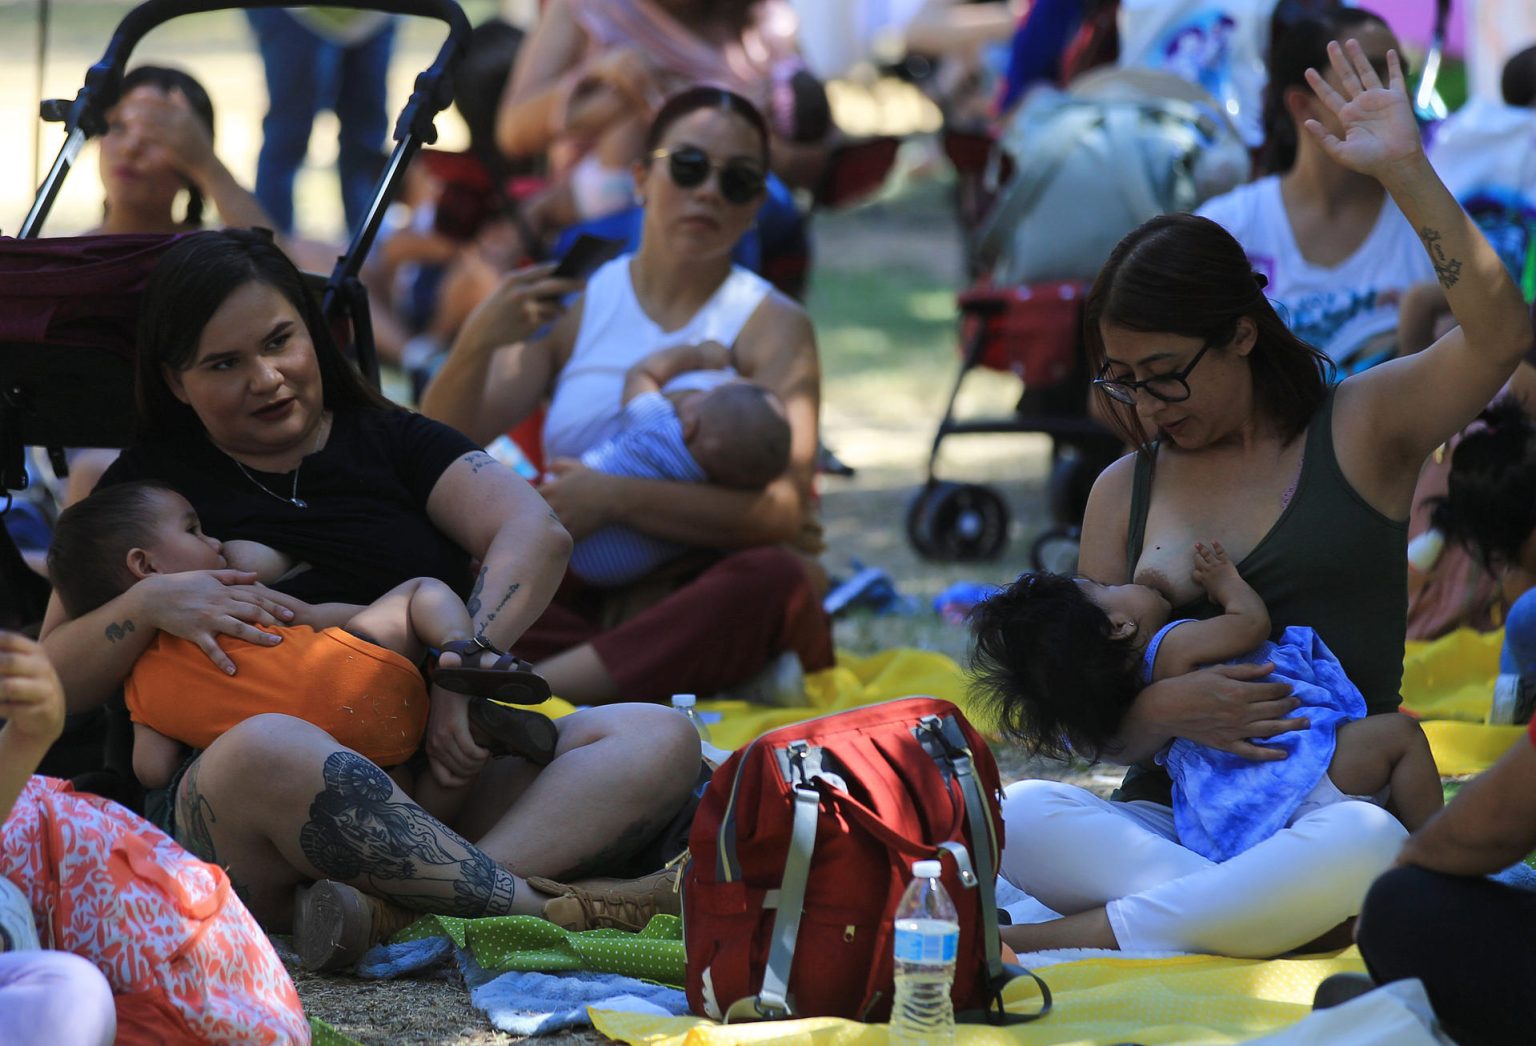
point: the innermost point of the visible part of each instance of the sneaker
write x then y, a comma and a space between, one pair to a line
620, 904
334, 924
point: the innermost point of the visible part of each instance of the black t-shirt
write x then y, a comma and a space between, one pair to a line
365, 528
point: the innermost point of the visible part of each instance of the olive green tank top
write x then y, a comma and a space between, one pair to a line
1331, 562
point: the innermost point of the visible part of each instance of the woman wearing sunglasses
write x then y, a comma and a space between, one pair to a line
1308, 485
746, 597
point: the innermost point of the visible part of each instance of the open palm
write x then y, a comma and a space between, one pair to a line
1378, 124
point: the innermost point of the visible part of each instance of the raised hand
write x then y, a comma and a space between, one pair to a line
1378, 124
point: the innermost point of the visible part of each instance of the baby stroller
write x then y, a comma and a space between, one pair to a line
68, 306
1071, 173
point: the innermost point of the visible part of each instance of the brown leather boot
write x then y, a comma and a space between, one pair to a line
622, 904
334, 924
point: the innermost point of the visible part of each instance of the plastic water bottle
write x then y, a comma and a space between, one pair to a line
686, 704
927, 937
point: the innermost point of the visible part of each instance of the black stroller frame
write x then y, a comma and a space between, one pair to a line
951, 521
49, 400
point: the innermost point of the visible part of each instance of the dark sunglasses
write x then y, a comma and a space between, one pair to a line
1170, 388
741, 181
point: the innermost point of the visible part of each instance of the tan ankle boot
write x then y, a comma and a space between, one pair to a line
622, 904
334, 924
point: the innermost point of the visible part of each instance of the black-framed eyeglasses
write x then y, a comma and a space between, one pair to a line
741, 181
1170, 388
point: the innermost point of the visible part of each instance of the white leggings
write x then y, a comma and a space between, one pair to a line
1074, 852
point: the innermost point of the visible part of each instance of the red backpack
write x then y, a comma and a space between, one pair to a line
803, 844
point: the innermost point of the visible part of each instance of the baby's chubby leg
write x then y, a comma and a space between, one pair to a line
1389, 751
408, 618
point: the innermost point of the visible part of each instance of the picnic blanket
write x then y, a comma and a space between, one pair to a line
1448, 684
1194, 999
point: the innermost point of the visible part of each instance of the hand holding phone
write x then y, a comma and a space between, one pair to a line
586, 256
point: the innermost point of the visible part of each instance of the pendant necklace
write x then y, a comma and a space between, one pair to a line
293, 497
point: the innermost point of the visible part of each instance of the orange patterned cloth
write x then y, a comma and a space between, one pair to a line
186, 961
367, 697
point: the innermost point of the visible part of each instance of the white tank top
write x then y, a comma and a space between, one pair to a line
615, 334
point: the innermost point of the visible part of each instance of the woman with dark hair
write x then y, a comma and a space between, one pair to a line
252, 415
745, 597
1308, 487
1337, 251
159, 143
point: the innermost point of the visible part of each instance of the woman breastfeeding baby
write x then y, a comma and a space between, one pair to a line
250, 413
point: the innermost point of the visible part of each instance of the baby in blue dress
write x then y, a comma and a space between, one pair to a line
1060, 659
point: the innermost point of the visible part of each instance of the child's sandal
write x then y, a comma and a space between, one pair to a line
509, 678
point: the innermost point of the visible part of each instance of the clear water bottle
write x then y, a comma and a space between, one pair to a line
927, 937
685, 703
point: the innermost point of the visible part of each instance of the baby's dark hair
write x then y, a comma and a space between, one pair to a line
748, 445
1518, 82
1045, 666
88, 560
1490, 502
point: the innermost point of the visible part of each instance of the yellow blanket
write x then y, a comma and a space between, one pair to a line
1191, 999
1448, 683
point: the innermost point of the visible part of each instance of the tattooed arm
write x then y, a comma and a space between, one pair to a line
95, 652
1390, 417
501, 521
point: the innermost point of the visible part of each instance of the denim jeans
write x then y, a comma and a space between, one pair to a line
307, 73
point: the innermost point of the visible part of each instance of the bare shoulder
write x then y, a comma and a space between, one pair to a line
776, 321
1115, 482
1106, 520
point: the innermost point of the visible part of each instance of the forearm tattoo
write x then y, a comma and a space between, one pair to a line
505, 598
1447, 270
472, 604
359, 833
478, 460
118, 630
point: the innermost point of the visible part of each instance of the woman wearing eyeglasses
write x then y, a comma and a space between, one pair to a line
1308, 486
745, 598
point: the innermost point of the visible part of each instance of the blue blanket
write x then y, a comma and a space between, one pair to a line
1223, 803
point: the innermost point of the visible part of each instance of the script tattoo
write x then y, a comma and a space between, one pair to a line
116, 631
358, 832
1447, 270
511, 591
472, 604
478, 459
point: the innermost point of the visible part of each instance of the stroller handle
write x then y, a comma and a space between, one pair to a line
102, 82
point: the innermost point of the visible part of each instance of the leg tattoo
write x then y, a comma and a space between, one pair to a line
193, 823
358, 833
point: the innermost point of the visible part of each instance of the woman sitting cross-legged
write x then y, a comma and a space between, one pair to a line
250, 412
1308, 488
745, 596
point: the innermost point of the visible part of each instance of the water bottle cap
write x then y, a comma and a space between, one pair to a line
684, 700
927, 869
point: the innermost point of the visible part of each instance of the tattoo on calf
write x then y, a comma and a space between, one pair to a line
358, 832
118, 630
193, 826
1447, 270
630, 842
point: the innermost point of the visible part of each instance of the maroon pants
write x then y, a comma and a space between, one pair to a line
719, 627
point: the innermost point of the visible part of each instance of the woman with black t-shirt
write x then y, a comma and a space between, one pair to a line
248, 409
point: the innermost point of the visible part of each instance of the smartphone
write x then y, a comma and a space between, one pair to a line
585, 256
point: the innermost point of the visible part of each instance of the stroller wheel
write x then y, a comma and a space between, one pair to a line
1056, 550
957, 522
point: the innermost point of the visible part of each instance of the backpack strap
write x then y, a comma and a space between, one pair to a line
772, 1002
956, 752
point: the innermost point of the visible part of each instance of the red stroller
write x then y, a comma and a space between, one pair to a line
68, 309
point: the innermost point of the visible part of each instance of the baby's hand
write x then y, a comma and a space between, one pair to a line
1212, 567
31, 697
